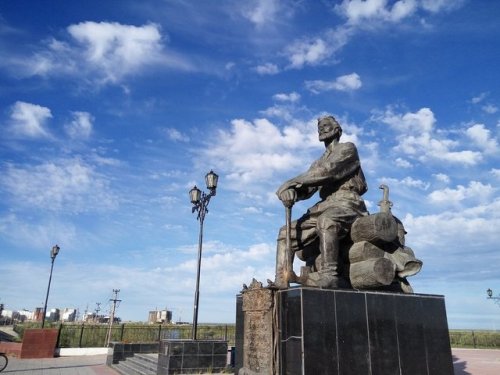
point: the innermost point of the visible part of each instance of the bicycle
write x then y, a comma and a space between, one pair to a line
3, 361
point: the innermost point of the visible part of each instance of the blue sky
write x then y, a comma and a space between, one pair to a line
111, 111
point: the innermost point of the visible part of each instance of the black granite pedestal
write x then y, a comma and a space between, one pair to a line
346, 332
191, 356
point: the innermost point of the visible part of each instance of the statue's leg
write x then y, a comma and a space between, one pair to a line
302, 233
328, 231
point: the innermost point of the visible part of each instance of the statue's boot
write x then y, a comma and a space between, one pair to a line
327, 275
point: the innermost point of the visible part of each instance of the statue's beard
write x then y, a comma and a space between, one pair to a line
326, 136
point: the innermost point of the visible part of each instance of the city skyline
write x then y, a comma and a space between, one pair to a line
110, 112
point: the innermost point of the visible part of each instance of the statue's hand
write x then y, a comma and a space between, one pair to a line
288, 197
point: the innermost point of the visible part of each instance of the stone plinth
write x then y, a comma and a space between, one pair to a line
257, 308
39, 343
345, 332
191, 356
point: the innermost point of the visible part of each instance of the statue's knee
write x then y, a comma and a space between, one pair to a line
325, 223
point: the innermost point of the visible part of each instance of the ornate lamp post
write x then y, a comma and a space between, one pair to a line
200, 201
53, 253
490, 296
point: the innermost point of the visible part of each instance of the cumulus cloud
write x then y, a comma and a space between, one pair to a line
357, 11
261, 12
29, 120
476, 191
267, 69
490, 108
348, 82
256, 151
104, 52
81, 125
481, 136
175, 135
402, 163
291, 97
454, 231
407, 181
442, 177
418, 139
67, 185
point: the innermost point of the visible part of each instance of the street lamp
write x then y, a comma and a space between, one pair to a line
490, 296
53, 253
200, 201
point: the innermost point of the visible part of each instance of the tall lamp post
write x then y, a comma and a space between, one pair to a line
200, 201
490, 296
53, 253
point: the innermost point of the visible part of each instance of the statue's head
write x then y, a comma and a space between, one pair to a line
328, 128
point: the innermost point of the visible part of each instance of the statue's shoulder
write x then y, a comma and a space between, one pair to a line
345, 146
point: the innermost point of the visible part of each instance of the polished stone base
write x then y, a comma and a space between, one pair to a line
344, 332
191, 356
348, 332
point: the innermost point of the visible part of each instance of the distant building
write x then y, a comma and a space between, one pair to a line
69, 315
38, 314
160, 316
54, 315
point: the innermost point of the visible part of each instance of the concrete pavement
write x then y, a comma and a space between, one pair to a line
77, 365
465, 362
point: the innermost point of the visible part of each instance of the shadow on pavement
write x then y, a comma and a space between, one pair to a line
459, 366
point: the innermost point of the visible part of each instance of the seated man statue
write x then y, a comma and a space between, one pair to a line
338, 176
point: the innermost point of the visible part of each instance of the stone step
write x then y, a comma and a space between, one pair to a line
139, 364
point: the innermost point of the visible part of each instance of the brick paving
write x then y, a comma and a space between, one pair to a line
77, 365
465, 362
476, 361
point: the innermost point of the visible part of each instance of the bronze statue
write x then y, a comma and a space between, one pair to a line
338, 176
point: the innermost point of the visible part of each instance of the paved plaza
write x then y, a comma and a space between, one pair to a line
465, 361
77, 365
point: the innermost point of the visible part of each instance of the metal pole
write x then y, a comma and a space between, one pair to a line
47, 296
197, 291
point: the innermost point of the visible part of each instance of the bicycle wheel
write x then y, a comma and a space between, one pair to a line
3, 361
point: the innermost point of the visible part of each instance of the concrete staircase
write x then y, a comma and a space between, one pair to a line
138, 364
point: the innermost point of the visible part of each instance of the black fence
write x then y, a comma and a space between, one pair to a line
87, 335
475, 339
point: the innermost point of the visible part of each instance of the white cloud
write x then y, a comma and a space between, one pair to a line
481, 136
419, 140
403, 163
117, 49
28, 120
68, 185
453, 231
81, 125
435, 6
407, 181
348, 82
490, 108
267, 69
357, 11
476, 191
292, 97
175, 135
308, 52
258, 150
262, 12
442, 178
495, 172
479, 98
104, 53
